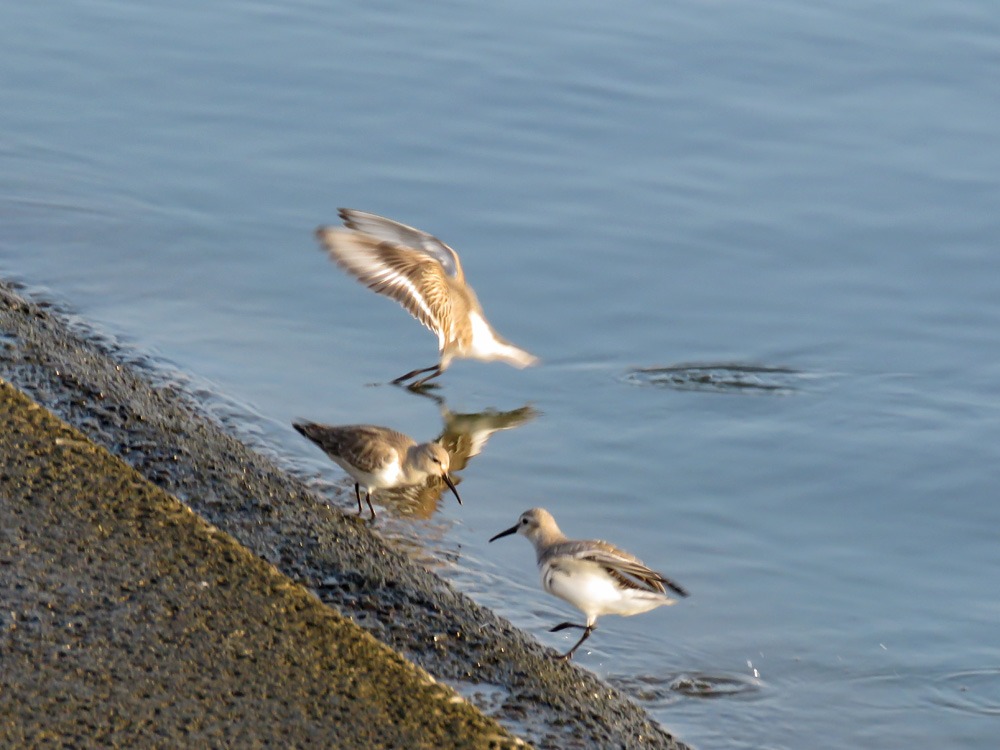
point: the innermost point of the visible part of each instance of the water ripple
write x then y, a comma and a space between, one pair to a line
723, 377
974, 691
660, 691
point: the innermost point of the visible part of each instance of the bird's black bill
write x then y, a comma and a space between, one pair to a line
451, 486
512, 530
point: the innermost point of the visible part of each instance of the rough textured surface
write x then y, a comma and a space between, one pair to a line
128, 621
161, 432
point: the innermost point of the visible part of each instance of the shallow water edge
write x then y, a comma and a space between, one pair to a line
161, 432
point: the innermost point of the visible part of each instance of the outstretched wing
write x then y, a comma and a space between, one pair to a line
401, 234
408, 276
620, 564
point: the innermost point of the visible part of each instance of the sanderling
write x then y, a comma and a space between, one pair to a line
595, 577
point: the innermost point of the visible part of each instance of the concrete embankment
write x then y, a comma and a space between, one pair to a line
129, 621
244, 613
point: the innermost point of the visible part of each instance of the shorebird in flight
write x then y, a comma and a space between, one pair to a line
425, 276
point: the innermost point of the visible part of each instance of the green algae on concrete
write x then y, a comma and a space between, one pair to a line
128, 621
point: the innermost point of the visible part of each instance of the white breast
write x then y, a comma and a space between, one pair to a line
589, 588
584, 585
387, 476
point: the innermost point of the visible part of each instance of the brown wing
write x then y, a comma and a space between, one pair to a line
620, 564
465, 435
368, 447
401, 234
408, 276
627, 582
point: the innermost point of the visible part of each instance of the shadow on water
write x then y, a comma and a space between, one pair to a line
723, 377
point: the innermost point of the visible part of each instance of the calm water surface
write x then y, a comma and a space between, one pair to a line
757, 246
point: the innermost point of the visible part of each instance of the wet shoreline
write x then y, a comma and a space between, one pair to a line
160, 432
128, 621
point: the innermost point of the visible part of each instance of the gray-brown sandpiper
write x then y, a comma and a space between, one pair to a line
595, 577
378, 457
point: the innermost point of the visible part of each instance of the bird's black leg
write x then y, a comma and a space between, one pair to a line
564, 625
357, 494
435, 370
423, 381
587, 630
368, 499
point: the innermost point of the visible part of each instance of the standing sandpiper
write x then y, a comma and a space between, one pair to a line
595, 577
379, 458
425, 276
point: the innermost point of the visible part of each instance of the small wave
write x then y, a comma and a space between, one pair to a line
973, 691
701, 685
719, 378
660, 691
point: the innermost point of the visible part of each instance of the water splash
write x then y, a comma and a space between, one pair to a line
658, 691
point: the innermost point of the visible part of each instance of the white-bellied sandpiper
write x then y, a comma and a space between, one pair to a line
595, 577
425, 276
378, 457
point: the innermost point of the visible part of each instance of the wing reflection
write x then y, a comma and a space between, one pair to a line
463, 436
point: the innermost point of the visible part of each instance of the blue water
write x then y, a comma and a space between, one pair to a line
798, 199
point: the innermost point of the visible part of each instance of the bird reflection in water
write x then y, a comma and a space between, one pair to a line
464, 436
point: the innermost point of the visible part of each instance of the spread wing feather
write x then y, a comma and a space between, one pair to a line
406, 275
401, 234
